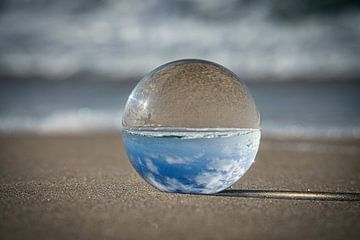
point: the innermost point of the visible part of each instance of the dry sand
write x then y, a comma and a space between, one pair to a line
83, 187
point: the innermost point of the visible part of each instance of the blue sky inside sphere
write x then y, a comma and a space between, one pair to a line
201, 163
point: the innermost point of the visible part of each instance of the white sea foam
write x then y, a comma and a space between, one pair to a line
61, 122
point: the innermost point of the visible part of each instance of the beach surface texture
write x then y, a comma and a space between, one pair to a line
84, 187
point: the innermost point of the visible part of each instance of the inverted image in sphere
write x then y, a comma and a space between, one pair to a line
191, 126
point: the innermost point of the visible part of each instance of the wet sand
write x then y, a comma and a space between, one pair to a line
83, 187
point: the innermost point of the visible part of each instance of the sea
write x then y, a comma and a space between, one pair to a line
69, 66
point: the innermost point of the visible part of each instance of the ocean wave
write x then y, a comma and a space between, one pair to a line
118, 39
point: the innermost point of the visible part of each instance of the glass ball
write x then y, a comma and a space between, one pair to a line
191, 126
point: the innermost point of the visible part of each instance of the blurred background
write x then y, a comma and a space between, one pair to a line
69, 66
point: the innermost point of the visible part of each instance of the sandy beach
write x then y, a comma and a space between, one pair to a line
83, 187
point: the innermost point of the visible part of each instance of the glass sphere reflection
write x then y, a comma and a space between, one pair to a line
191, 126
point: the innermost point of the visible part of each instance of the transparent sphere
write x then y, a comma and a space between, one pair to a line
191, 126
